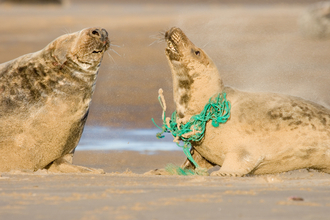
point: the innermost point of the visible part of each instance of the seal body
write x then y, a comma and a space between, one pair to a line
45, 97
266, 133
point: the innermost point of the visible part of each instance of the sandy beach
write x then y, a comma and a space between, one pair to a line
257, 47
124, 193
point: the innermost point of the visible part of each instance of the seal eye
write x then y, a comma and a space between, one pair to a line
197, 53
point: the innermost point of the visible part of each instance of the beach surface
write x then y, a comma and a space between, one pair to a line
125, 193
257, 47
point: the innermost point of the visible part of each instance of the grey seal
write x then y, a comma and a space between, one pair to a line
45, 99
266, 133
314, 22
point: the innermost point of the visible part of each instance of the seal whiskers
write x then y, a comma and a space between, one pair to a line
158, 38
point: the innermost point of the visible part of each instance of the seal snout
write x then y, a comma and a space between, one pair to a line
173, 38
174, 35
101, 34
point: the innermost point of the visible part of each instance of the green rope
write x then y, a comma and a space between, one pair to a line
177, 170
217, 110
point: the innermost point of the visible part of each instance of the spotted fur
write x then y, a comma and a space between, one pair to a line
266, 132
45, 98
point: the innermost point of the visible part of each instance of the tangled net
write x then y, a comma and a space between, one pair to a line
217, 110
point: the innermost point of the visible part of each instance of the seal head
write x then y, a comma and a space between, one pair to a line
85, 48
181, 49
191, 69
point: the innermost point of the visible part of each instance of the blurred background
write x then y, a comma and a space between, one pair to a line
258, 45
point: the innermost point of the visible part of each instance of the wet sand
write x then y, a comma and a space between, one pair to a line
256, 48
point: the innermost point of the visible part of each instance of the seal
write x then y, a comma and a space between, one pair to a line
45, 99
314, 22
266, 133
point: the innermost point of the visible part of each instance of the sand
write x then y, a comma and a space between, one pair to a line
128, 194
256, 48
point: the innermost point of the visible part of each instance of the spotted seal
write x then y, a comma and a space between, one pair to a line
45, 98
266, 133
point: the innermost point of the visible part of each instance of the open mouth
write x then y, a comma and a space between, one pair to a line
97, 51
174, 39
103, 47
175, 42
171, 47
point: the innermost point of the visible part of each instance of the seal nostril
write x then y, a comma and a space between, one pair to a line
96, 32
104, 32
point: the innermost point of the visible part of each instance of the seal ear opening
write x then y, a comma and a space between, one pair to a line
59, 50
60, 54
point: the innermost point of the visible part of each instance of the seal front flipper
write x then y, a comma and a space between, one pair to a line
200, 160
237, 165
187, 165
64, 165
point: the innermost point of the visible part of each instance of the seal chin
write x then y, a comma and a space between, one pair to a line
172, 55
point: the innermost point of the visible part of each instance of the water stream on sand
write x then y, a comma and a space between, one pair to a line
106, 138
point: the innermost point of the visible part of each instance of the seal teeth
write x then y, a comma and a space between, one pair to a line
171, 46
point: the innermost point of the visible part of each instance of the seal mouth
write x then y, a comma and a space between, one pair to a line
171, 47
98, 51
174, 38
102, 48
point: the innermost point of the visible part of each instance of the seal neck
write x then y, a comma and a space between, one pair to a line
192, 92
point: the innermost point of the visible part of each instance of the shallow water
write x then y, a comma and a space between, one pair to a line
107, 138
